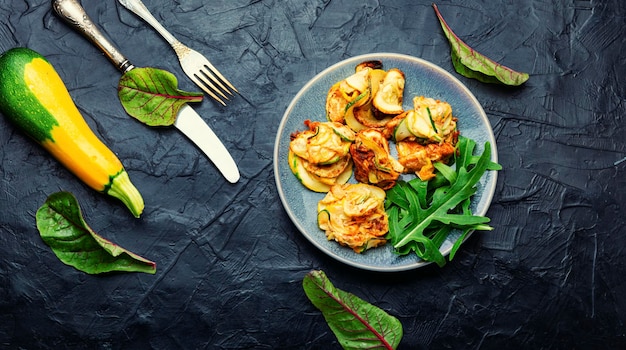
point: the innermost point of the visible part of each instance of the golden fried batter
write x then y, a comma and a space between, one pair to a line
354, 215
373, 163
419, 158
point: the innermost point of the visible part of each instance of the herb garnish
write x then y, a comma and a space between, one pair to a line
62, 227
423, 213
151, 95
356, 323
472, 64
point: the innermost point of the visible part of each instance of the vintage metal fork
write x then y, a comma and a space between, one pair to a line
194, 64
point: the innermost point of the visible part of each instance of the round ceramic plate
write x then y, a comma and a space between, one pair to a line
422, 78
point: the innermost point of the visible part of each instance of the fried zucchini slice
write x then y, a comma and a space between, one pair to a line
389, 96
354, 215
335, 104
430, 121
324, 143
313, 182
419, 158
373, 64
328, 171
351, 92
373, 163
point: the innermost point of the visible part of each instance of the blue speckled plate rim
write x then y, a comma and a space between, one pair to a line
488, 185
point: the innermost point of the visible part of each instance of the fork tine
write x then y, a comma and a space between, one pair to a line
202, 75
216, 72
200, 82
209, 78
194, 64
209, 75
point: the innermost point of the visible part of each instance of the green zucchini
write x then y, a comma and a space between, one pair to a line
35, 99
402, 131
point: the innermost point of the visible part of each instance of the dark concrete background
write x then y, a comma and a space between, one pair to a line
230, 263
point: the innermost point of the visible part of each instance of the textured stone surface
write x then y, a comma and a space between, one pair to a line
230, 263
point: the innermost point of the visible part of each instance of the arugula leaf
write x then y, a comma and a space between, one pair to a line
151, 95
62, 228
356, 323
472, 64
423, 213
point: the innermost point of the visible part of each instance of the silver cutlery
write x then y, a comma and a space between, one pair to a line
188, 121
194, 64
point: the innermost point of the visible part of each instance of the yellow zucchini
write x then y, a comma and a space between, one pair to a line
35, 99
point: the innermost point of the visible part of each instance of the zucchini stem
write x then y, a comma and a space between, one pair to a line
124, 190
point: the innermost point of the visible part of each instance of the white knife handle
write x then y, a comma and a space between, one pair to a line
74, 14
137, 7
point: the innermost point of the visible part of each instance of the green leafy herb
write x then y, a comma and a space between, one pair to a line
61, 226
152, 96
356, 323
472, 64
423, 213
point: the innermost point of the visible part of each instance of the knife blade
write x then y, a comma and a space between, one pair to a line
188, 121
194, 127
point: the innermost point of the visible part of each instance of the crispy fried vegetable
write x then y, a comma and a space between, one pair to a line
429, 121
329, 171
372, 160
368, 117
354, 216
324, 143
377, 107
336, 104
373, 64
349, 93
369, 98
320, 157
377, 77
388, 98
314, 182
419, 159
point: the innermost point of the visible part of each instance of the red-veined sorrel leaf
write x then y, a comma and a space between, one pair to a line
62, 228
151, 95
356, 323
472, 64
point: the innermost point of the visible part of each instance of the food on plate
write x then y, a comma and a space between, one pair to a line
354, 216
416, 225
388, 98
372, 64
35, 99
369, 98
424, 135
373, 164
320, 156
429, 121
347, 93
365, 113
418, 158
313, 182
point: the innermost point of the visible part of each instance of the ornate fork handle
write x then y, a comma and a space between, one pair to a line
74, 14
138, 8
